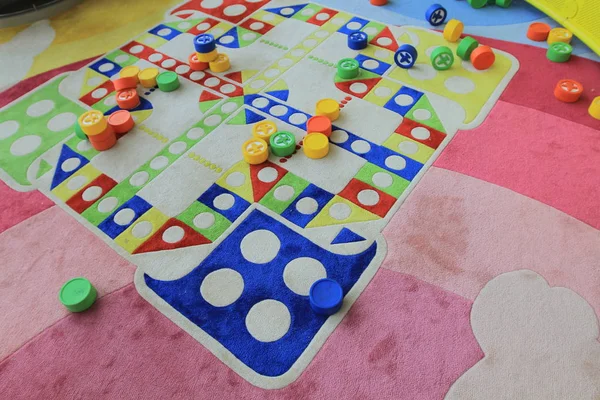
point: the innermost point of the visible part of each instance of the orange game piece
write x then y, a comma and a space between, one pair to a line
538, 31
127, 82
196, 64
128, 99
105, 140
379, 2
483, 57
121, 121
568, 90
319, 124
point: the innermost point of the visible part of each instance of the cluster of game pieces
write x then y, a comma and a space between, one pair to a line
559, 41
103, 132
77, 294
207, 56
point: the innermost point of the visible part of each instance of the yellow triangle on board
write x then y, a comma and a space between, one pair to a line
279, 85
91, 81
231, 180
338, 207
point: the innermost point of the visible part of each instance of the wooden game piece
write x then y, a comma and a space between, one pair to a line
104, 140
406, 56
121, 121
538, 31
378, 2
503, 3
559, 52
454, 28
168, 81
559, 35
79, 132
568, 90
594, 109
436, 14
319, 124
207, 57
325, 296
205, 43
255, 151
78, 294
316, 145
220, 64
483, 57
92, 122
264, 130
348, 68
126, 82
195, 64
358, 40
328, 108
283, 144
477, 3
130, 71
466, 47
128, 99
442, 58
148, 77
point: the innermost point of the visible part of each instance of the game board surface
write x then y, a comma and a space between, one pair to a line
227, 250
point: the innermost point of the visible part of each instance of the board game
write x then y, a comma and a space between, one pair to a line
225, 249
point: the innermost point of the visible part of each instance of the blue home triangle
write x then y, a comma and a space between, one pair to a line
59, 174
280, 94
347, 236
252, 117
287, 14
224, 39
144, 105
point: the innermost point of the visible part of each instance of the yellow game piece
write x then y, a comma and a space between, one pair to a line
454, 28
329, 108
220, 64
316, 145
559, 35
594, 109
148, 77
255, 151
264, 130
131, 71
207, 57
92, 122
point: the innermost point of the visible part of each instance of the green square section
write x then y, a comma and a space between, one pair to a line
292, 182
122, 192
122, 58
380, 178
197, 217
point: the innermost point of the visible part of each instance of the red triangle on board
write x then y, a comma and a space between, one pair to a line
345, 86
156, 242
260, 188
386, 33
185, 15
208, 96
235, 76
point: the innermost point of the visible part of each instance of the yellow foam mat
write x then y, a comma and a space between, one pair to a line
582, 17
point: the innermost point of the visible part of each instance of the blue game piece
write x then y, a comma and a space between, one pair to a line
436, 14
357, 40
406, 56
205, 43
326, 296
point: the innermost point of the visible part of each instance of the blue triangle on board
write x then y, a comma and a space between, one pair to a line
347, 236
252, 117
286, 14
280, 94
60, 174
224, 39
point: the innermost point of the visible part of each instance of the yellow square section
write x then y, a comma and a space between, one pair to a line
75, 182
382, 92
146, 226
408, 147
268, 17
151, 40
462, 83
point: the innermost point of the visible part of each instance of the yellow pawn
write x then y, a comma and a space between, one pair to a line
594, 109
328, 108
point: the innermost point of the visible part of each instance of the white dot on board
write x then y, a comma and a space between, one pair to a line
234, 10
212, 82
70, 164
182, 69
204, 220
421, 114
298, 119
164, 32
184, 25
124, 216
177, 147
321, 34
383, 92
256, 26
297, 53
168, 63
300, 273
268, 321
260, 102
258, 84
271, 73
382, 179
358, 87
368, 197
353, 26
338, 136
224, 201
8, 128
260, 246
420, 133
422, 72
217, 32
459, 84
382, 54
213, 120
226, 39
110, 101
384, 41
211, 3
142, 229
222, 287
338, 21
42, 107
307, 12
84, 145
267, 174
269, 17
195, 133
370, 31
99, 93
235, 179
278, 110
322, 16
249, 36
91, 193
340, 211
395, 162
309, 43
121, 58
203, 26
360, 146
407, 147
197, 75
307, 206
155, 57
62, 121
159, 163
173, 234
403, 100
228, 108
106, 67
25, 145
138, 48
227, 88
370, 64
108, 204
284, 193
287, 11
285, 62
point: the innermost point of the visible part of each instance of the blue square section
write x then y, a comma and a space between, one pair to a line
261, 282
379, 70
224, 198
106, 67
60, 174
400, 102
312, 198
353, 25
139, 207
165, 32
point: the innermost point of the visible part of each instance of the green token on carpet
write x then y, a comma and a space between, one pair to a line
466, 47
442, 58
167, 81
559, 52
79, 132
78, 294
283, 144
347, 68
477, 3
504, 3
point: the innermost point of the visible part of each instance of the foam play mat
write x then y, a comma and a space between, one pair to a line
455, 212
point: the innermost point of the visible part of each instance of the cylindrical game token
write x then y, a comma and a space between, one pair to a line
92, 122
326, 296
319, 124
264, 130
168, 81
283, 143
316, 145
255, 151
329, 108
77, 294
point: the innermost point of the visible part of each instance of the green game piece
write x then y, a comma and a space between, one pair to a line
79, 132
442, 58
504, 3
78, 294
283, 144
167, 81
559, 52
477, 3
466, 47
347, 68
